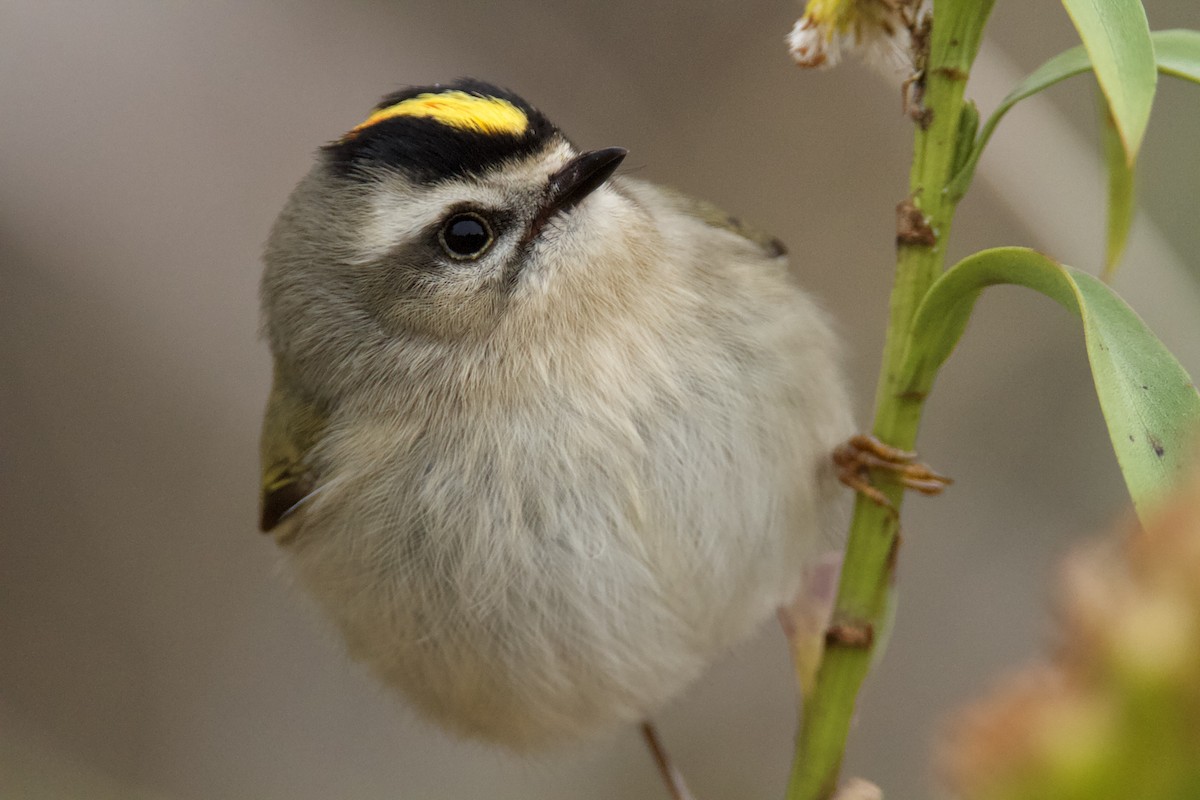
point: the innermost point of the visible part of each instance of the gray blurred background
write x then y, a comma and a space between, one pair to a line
149, 644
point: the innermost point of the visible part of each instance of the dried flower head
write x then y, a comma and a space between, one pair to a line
880, 32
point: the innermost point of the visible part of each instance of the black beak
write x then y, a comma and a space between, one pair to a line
577, 179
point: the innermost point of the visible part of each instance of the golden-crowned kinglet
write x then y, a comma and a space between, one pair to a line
542, 442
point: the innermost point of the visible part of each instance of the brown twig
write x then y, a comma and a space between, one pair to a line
671, 776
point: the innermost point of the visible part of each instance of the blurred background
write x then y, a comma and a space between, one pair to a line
150, 645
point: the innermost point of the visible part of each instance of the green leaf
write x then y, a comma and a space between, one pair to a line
1064, 65
1117, 38
1120, 196
1150, 404
964, 143
1177, 53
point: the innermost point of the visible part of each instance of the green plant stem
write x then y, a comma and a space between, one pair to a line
864, 592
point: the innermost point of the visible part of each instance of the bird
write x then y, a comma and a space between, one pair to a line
543, 441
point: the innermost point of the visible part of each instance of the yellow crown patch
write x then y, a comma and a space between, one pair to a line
457, 109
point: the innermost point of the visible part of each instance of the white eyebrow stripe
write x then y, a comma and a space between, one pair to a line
399, 214
400, 211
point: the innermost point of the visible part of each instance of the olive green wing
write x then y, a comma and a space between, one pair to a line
710, 214
291, 428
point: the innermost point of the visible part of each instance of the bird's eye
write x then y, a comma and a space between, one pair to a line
465, 236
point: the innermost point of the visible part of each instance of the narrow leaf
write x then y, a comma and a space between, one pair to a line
1150, 404
1117, 38
1120, 196
1177, 53
968, 127
1064, 65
